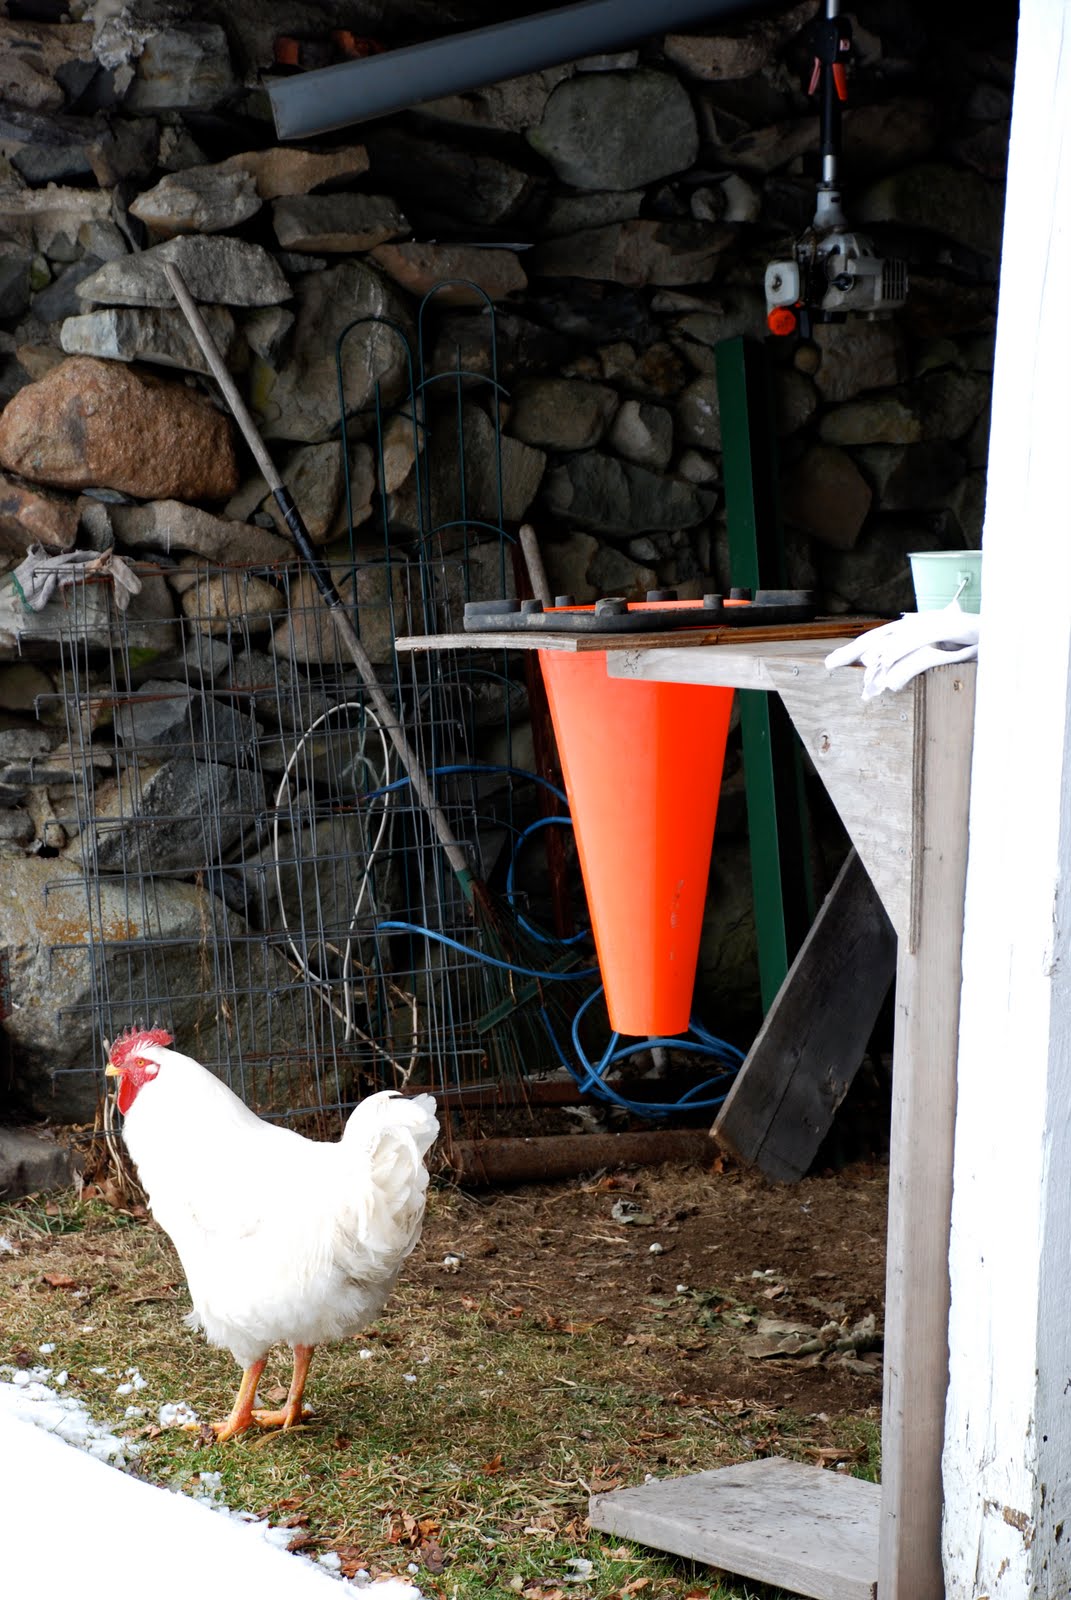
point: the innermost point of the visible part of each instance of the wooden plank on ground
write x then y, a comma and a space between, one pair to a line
809, 1047
812, 1532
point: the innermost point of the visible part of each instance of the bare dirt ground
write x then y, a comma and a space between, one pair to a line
717, 1265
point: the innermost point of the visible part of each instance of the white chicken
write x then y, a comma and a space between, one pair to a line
284, 1240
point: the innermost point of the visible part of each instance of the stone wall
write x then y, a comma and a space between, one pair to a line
618, 212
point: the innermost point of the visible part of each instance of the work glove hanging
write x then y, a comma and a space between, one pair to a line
894, 654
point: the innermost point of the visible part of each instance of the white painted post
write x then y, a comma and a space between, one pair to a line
1007, 1455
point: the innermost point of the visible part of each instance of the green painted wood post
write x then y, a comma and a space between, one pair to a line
773, 776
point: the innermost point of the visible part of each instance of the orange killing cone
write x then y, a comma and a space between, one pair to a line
642, 765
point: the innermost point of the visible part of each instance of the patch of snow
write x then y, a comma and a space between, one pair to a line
6, 1246
177, 1414
46, 1349
409, 1377
365, 1355
26, 1398
136, 1381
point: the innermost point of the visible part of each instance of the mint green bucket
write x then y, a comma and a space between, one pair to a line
941, 576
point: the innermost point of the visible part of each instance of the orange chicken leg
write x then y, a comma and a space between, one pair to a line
242, 1410
292, 1413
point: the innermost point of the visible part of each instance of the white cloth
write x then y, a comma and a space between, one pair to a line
899, 651
39, 575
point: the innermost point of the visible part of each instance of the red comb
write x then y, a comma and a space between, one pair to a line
134, 1040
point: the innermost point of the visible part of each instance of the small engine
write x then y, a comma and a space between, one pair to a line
835, 271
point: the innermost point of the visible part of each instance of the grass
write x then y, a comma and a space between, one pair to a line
466, 1445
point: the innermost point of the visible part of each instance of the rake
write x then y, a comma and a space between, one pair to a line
526, 1018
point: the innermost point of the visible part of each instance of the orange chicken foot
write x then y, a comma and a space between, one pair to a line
242, 1410
292, 1413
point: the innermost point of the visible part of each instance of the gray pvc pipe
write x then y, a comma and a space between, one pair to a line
354, 91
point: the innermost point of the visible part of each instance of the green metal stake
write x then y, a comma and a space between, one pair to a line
776, 803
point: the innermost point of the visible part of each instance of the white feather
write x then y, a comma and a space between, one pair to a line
284, 1240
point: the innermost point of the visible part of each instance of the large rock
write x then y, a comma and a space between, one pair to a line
637, 253
226, 602
739, 50
299, 399
567, 561
186, 67
169, 525
617, 130
886, 419
199, 200
50, 218
951, 401
569, 213
699, 415
152, 818
644, 434
825, 494
334, 224
463, 183
86, 619
614, 573
912, 477
507, 107
949, 201
36, 58
62, 957
159, 336
95, 423
219, 271
467, 274
561, 413
857, 356
170, 718
34, 516
620, 499
281, 170
307, 636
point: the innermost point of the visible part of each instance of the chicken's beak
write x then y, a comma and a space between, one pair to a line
112, 1071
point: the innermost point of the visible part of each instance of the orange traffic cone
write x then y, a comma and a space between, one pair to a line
642, 764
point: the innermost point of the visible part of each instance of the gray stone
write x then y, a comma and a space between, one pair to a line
299, 400
17, 829
226, 602
857, 356
171, 525
698, 415
15, 263
875, 576
827, 496
561, 413
268, 330
32, 1162
307, 635
281, 170
617, 130
157, 335
313, 474
567, 561
59, 965
217, 271
950, 402
29, 515
886, 419
697, 468
614, 573
170, 718
151, 819
49, 219
967, 504
643, 433
888, 135
460, 275
950, 201
795, 400
334, 224
739, 50
766, 150
507, 107
33, 53
462, 183
636, 253
400, 442
61, 299
199, 200
569, 213
912, 477
182, 68
620, 499
91, 624
522, 469
698, 332
124, 150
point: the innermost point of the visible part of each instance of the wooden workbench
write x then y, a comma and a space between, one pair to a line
898, 771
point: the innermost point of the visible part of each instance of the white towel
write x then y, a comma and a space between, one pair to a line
899, 651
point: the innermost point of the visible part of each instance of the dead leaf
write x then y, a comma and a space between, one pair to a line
276, 1394
494, 1465
433, 1557
56, 1280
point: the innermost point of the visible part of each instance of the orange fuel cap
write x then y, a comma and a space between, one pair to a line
781, 320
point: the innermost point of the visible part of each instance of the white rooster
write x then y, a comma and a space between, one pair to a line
284, 1240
